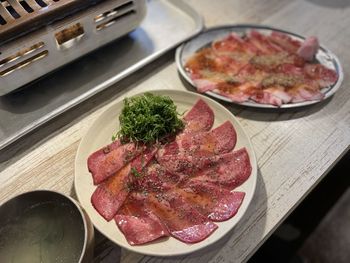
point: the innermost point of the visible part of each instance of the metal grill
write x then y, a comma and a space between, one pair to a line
38, 36
18, 17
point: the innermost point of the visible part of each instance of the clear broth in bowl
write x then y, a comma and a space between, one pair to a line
46, 232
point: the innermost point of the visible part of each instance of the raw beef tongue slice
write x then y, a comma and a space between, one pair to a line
99, 156
110, 159
110, 195
182, 220
138, 224
189, 153
222, 139
155, 178
230, 171
199, 118
215, 202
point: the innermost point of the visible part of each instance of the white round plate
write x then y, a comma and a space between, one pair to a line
185, 51
100, 134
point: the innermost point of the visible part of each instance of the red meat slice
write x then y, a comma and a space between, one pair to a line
97, 157
324, 76
266, 97
182, 220
305, 92
155, 179
239, 92
286, 42
231, 170
204, 85
110, 159
233, 44
110, 195
199, 118
215, 202
263, 43
186, 154
309, 48
219, 140
138, 224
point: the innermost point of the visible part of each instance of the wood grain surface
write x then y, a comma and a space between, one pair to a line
295, 147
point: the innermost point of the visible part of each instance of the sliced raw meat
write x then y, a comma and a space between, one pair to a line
265, 97
286, 42
324, 76
280, 93
306, 92
220, 140
252, 75
182, 220
309, 48
228, 65
243, 68
230, 171
233, 44
215, 202
110, 159
262, 43
138, 224
199, 118
227, 45
99, 156
187, 153
156, 179
110, 195
203, 60
204, 85
291, 70
237, 93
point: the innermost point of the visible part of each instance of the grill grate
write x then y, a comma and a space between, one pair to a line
18, 17
30, 56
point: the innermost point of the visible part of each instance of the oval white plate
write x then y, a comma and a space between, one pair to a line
99, 135
185, 51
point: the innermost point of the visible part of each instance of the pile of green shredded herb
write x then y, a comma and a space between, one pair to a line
148, 118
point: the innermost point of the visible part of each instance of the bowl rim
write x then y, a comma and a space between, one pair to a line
71, 200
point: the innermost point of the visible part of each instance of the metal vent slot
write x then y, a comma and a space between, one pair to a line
41, 3
21, 53
113, 12
26, 6
67, 37
12, 11
2, 21
114, 20
24, 63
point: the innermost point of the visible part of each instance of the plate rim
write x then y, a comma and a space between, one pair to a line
328, 93
253, 161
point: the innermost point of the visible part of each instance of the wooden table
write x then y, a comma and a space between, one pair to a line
295, 148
